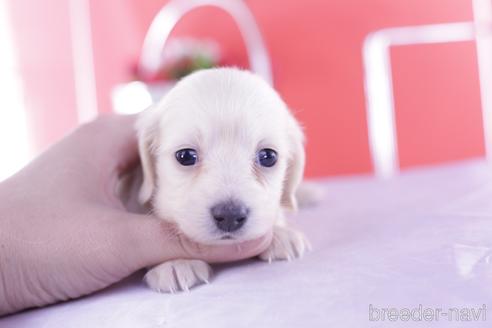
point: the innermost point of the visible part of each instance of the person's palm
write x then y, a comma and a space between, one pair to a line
63, 231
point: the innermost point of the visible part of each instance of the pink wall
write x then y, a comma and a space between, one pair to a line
437, 99
316, 50
42, 41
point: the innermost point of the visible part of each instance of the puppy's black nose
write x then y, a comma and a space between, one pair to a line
229, 216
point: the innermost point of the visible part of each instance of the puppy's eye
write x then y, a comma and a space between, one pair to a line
187, 157
267, 157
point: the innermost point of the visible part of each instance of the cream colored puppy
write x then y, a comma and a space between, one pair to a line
222, 158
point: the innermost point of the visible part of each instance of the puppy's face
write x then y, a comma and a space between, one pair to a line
221, 155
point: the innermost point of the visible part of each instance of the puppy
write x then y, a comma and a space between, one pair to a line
222, 158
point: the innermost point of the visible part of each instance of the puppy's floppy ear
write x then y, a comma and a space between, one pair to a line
147, 132
295, 166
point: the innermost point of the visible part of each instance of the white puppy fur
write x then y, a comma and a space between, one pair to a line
226, 116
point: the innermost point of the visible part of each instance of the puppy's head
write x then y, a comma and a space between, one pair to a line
221, 155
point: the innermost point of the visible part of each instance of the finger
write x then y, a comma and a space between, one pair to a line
110, 140
120, 127
228, 252
115, 136
148, 241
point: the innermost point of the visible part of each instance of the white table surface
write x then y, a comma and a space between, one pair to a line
423, 238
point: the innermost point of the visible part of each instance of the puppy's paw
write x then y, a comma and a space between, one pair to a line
178, 275
287, 244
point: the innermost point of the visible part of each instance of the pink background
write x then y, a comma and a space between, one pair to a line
316, 52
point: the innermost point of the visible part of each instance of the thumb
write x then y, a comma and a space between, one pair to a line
149, 241
227, 252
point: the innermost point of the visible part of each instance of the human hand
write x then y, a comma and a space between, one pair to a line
64, 233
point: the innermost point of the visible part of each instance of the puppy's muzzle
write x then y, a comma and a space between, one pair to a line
229, 216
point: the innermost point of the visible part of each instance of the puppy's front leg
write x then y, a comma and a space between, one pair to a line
178, 275
287, 244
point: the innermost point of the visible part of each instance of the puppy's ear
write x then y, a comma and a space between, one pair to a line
147, 132
295, 166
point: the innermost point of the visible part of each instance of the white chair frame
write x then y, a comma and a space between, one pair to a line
378, 82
